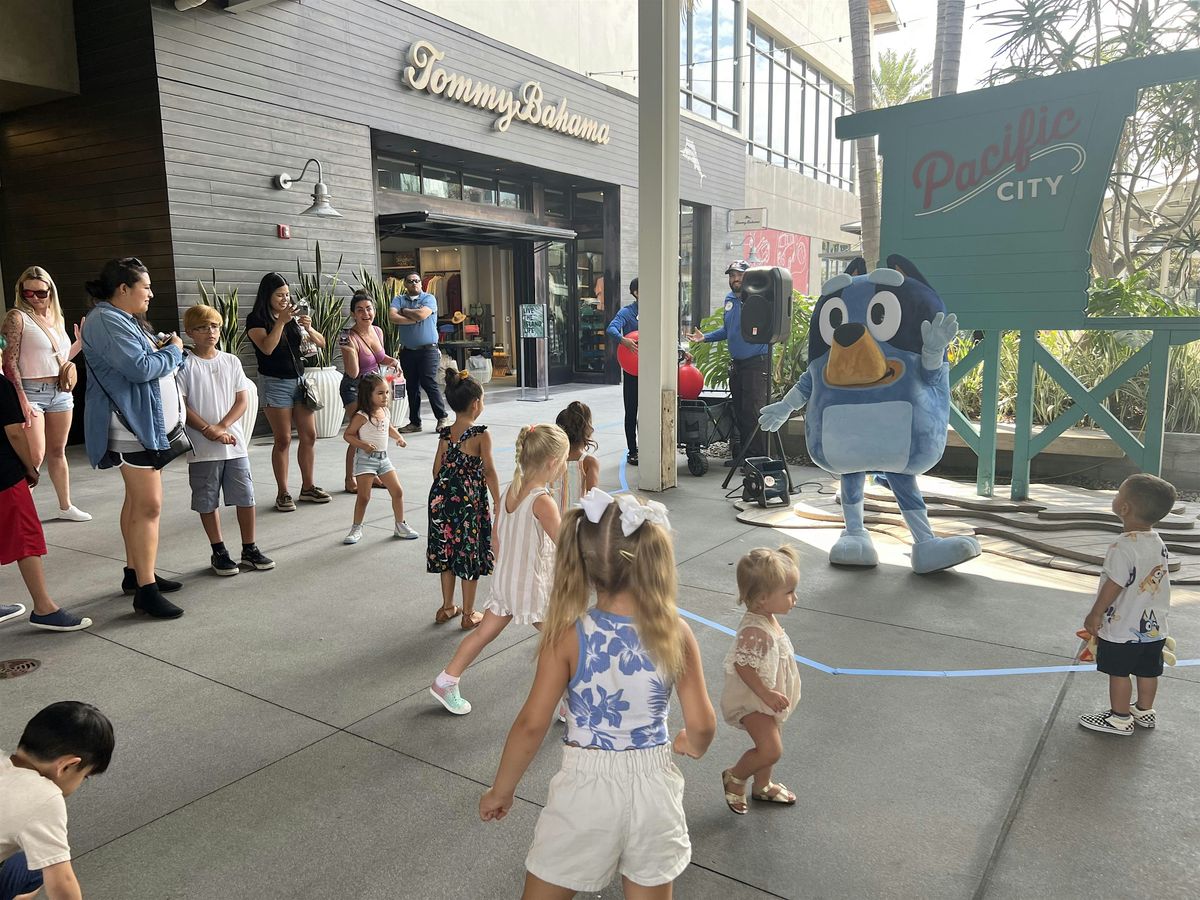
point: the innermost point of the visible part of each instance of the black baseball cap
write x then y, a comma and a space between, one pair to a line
738, 265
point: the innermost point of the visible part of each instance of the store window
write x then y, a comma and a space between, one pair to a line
397, 175
557, 203
710, 72
793, 105
441, 183
452, 184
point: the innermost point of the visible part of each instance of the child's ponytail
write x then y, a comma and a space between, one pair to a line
518, 475
572, 584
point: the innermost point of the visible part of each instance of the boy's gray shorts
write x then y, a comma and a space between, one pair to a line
211, 478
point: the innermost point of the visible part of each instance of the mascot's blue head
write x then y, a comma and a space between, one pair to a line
869, 324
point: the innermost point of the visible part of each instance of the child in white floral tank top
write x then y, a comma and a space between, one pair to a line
762, 682
617, 802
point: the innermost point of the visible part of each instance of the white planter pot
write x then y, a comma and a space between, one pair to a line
250, 417
329, 418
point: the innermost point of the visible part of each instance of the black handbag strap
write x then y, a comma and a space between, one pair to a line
113, 403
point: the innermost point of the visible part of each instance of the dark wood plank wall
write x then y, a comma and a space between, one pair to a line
83, 178
245, 96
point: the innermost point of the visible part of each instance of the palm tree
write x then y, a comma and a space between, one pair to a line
948, 51
899, 79
868, 177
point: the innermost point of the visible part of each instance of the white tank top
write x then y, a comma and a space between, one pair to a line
374, 431
37, 353
572, 482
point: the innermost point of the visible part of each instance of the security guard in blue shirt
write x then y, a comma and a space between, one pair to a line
750, 369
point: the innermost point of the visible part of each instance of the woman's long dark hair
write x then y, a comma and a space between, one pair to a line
271, 282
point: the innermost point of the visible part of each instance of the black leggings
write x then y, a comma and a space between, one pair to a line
630, 389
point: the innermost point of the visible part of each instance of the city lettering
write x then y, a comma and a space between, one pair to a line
1031, 131
527, 104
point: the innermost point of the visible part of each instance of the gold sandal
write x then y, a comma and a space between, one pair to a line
735, 802
471, 620
445, 614
775, 793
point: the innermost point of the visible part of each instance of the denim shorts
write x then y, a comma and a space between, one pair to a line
375, 463
210, 478
280, 393
46, 396
348, 388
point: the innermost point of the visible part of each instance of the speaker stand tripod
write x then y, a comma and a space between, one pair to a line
777, 435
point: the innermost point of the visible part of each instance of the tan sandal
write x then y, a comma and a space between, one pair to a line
471, 620
735, 802
444, 615
775, 793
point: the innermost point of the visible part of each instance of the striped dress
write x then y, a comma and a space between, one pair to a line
525, 568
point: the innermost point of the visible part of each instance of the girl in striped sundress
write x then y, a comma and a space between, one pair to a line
526, 532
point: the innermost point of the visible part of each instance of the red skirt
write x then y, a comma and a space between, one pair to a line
22, 535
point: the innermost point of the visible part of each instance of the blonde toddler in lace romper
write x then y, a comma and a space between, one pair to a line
762, 682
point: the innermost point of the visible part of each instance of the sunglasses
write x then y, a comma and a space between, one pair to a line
29, 295
414, 281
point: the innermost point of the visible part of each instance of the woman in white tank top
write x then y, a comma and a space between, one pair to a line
37, 349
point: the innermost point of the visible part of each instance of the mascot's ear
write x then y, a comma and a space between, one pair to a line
906, 267
858, 266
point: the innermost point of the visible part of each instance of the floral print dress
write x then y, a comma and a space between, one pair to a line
460, 524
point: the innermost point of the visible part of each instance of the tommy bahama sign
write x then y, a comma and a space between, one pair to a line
996, 192
527, 103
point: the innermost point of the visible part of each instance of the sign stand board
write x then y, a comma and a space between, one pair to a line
533, 340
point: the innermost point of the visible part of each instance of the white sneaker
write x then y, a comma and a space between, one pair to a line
74, 514
406, 532
354, 536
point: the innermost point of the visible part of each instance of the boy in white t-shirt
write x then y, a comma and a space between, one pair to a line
214, 390
61, 747
1129, 617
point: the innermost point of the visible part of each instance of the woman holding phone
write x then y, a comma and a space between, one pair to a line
277, 331
133, 408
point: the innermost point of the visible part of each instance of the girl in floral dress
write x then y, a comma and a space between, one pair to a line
460, 524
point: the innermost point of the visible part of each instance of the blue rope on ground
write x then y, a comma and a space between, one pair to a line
923, 673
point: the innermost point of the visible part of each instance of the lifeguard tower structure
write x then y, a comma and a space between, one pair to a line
995, 194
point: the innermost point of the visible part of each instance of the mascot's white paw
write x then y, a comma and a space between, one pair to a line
853, 550
943, 553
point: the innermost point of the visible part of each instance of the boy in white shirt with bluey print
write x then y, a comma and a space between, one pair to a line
1129, 617
62, 746
214, 390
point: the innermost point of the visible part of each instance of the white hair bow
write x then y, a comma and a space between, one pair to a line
633, 513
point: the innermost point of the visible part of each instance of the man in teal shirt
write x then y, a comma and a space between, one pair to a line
415, 311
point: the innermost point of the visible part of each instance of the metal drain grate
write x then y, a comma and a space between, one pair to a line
15, 668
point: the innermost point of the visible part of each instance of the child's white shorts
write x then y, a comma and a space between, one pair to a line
612, 811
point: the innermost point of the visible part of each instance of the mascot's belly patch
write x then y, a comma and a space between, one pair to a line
857, 438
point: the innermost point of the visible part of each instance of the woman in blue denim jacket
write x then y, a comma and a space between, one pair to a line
129, 369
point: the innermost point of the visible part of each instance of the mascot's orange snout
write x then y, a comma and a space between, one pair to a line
856, 360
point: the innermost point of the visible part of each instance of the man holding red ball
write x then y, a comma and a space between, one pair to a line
749, 370
619, 328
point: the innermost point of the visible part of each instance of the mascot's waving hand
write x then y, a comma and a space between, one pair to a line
877, 390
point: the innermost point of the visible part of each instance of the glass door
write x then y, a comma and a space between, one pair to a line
590, 346
559, 300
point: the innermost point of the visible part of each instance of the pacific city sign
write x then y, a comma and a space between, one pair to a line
525, 104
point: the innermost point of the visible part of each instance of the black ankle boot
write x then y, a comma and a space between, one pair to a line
148, 600
165, 586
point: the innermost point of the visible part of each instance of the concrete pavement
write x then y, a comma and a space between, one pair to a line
278, 740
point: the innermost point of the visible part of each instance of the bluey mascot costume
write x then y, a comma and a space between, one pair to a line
877, 390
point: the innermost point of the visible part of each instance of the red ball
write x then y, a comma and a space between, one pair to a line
628, 359
691, 382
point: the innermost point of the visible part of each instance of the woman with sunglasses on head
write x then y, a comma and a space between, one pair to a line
133, 417
38, 349
276, 333
363, 353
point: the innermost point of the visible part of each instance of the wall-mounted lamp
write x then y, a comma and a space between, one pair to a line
320, 205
